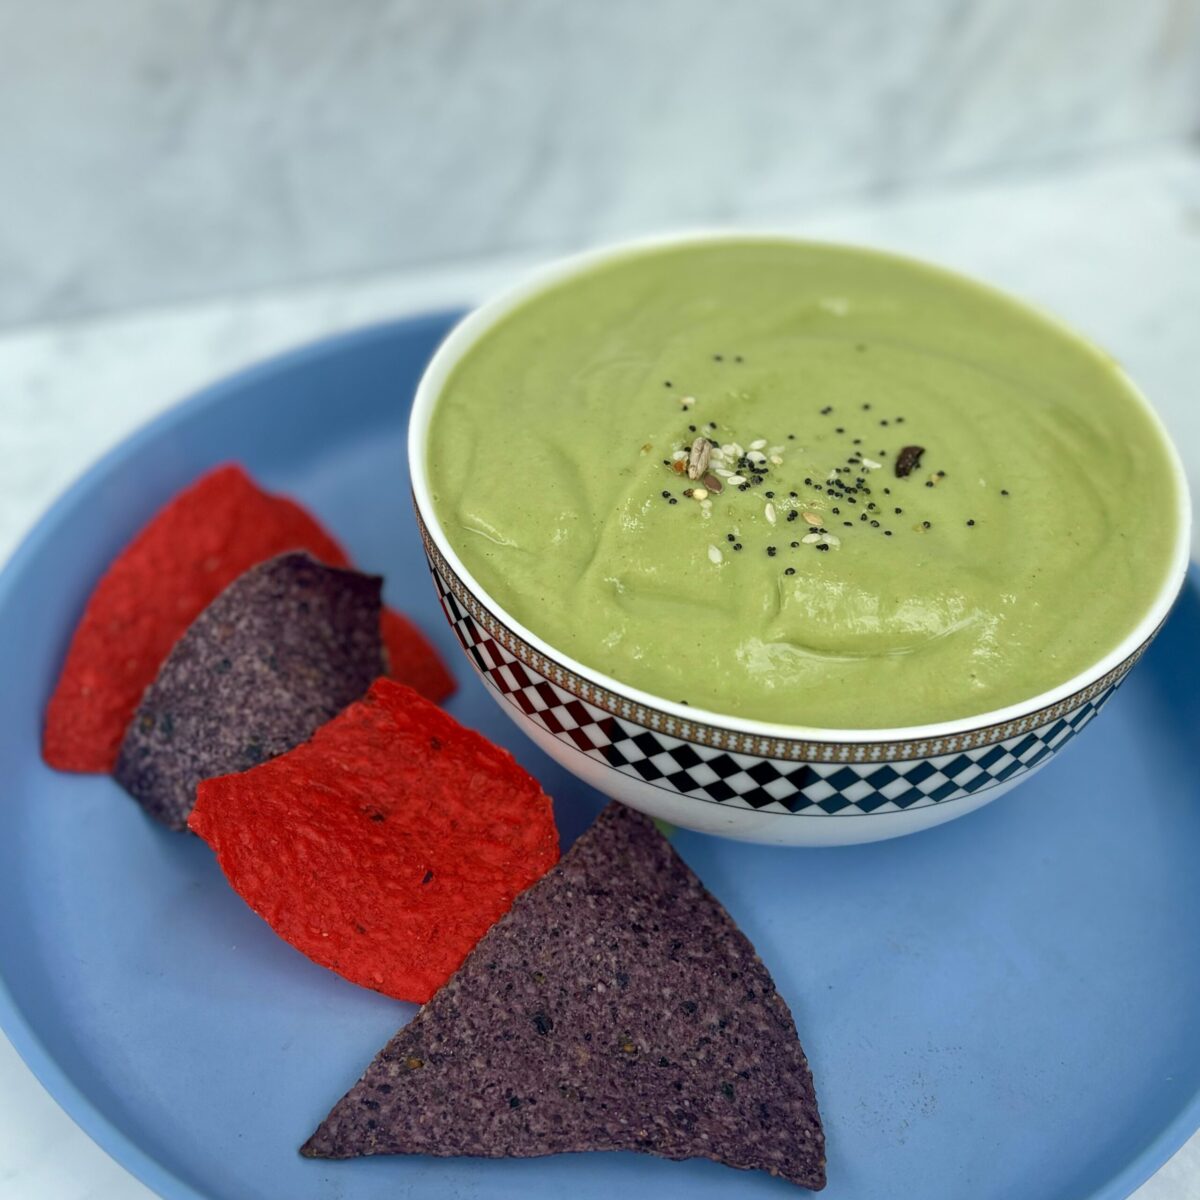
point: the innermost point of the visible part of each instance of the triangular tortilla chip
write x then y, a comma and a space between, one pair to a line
387, 846
280, 651
197, 544
615, 1007
189, 551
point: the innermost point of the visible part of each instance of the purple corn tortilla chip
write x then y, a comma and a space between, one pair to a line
282, 650
616, 1006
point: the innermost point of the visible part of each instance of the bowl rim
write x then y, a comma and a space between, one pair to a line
468, 331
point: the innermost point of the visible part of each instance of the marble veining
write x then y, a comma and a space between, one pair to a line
154, 151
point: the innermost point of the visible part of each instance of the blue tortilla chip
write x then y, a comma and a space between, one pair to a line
282, 650
616, 1006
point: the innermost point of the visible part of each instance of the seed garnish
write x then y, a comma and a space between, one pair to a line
698, 457
908, 460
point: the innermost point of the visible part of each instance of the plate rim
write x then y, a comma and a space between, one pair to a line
43, 1065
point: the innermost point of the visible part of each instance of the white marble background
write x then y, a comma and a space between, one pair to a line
163, 149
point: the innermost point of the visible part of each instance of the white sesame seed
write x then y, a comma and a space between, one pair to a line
679, 456
812, 518
714, 555
737, 449
729, 450
775, 460
871, 464
769, 512
724, 472
688, 401
758, 444
736, 481
811, 539
699, 493
831, 539
755, 457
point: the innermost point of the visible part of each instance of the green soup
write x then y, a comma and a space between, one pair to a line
809, 580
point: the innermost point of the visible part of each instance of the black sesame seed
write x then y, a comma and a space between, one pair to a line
666, 495
840, 429
738, 358
1003, 492
718, 358
929, 483
666, 462
848, 524
792, 494
874, 524
666, 383
769, 495
790, 571
737, 545
692, 428
827, 410
795, 545
791, 437
887, 533
899, 511
883, 422
672, 500
862, 516
729, 537
925, 525
837, 512
871, 506
858, 441
794, 514
822, 546
866, 408
971, 522
899, 420
770, 551
887, 491
807, 482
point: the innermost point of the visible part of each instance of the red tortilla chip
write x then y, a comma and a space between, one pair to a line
386, 846
187, 554
411, 658
183, 558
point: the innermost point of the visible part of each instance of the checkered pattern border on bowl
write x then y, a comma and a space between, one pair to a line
476, 627
750, 781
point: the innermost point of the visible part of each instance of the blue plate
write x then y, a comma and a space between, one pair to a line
1004, 1007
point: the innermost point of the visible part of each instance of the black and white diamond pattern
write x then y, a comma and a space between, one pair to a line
752, 781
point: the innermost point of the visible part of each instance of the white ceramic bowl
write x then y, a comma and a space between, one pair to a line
751, 780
